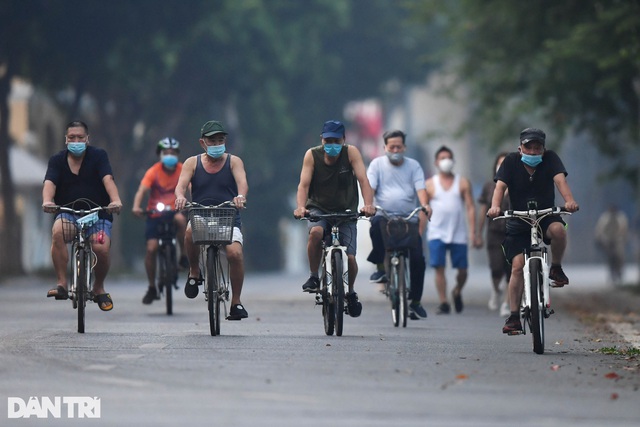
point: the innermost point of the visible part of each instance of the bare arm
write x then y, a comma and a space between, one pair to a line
303, 187
112, 191
496, 200
188, 169
357, 164
48, 193
563, 187
137, 200
471, 209
240, 176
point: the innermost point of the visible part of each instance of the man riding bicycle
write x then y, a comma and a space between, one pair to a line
329, 183
530, 175
160, 182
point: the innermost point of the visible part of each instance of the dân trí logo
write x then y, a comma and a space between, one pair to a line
56, 407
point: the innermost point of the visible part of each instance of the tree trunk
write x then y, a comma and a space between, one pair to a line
10, 229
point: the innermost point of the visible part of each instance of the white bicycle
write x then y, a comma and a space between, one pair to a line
536, 298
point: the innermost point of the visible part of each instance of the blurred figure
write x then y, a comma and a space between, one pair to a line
611, 234
450, 198
495, 235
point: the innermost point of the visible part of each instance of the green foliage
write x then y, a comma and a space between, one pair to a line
629, 351
573, 64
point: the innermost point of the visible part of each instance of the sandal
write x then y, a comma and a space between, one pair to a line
58, 292
104, 299
191, 288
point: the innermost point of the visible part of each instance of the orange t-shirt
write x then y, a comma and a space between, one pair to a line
162, 184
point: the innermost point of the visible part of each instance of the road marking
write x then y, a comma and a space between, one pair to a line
129, 356
627, 332
153, 345
103, 368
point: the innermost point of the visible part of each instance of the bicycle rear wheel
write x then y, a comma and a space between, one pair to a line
82, 271
536, 311
338, 290
213, 296
403, 305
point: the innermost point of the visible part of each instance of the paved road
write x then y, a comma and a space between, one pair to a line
279, 368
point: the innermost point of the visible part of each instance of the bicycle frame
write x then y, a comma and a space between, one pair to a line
398, 284
166, 257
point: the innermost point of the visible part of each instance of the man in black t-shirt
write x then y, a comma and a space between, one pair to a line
531, 174
80, 172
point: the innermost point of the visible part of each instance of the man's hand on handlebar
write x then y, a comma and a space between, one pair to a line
368, 210
571, 206
493, 212
300, 212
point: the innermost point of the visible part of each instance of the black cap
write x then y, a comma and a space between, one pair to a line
532, 134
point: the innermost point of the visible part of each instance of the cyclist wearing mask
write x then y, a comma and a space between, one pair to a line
159, 182
530, 175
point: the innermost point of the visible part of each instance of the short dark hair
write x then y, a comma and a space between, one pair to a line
444, 148
78, 124
394, 134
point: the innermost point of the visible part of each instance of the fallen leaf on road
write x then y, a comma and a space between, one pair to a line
462, 377
614, 396
612, 376
555, 367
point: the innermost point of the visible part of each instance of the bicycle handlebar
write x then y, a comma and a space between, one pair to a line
81, 212
407, 218
230, 203
533, 213
346, 216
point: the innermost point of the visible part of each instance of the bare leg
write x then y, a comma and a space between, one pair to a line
441, 284
516, 283
236, 271
314, 248
59, 253
558, 236
193, 253
353, 270
150, 261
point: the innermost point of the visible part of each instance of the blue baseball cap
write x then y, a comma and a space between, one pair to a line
333, 129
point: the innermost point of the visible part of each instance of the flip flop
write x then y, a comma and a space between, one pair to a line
58, 292
104, 299
191, 288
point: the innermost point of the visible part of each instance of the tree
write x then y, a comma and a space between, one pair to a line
574, 64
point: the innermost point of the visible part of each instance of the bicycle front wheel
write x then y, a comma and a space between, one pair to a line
213, 296
338, 290
328, 311
403, 305
82, 284
536, 310
168, 275
393, 294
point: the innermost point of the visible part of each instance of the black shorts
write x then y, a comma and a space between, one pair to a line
516, 242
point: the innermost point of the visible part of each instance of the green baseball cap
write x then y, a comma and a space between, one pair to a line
212, 127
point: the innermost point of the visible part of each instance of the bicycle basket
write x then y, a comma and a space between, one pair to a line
212, 225
399, 234
69, 230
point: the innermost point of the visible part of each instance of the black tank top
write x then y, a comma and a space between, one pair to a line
334, 188
214, 188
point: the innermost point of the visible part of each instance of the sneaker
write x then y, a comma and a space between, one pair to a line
443, 308
557, 276
237, 312
378, 277
417, 311
505, 311
311, 285
152, 294
457, 301
512, 326
494, 300
354, 307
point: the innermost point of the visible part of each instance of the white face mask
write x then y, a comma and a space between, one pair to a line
445, 165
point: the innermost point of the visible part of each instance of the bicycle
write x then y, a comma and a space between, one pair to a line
334, 271
398, 233
536, 298
167, 256
82, 261
212, 229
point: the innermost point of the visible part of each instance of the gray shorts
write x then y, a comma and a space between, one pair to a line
348, 232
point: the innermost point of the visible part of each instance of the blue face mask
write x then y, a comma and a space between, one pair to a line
169, 160
332, 150
216, 151
77, 148
531, 160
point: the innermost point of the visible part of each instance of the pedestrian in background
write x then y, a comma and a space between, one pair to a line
611, 235
498, 264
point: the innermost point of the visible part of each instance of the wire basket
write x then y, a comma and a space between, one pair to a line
69, 230
399, 234
212, 225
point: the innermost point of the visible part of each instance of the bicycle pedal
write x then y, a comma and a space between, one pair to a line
516, 333
548, 313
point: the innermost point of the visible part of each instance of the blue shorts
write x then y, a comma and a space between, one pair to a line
101, 225
457, 253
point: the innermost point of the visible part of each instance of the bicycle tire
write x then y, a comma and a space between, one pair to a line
328, 312
338, 290
81, 287
536, 311
169, 276
393, 294
213, 296
403, 305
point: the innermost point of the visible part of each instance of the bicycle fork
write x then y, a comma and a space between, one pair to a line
545, 298
327, 272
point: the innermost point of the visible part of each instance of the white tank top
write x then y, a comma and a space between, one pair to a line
448, 222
